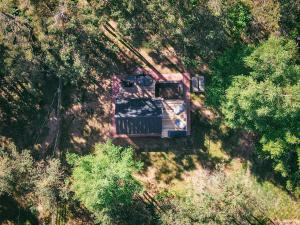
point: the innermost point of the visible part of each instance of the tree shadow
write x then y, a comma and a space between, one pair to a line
139, 212
195, 33
128, 46
171, 158
289, 20
87, 121
160, 58
11, 211
87, 104
24, 109
245, 146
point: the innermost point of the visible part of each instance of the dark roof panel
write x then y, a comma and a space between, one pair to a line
138, 116
139, 125
138, 108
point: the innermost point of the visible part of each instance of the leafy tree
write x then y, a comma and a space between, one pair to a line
48, 186
238, 18
267, 102
35, 184
223, 69
290, 17
17, 171
276, 60
265, 18
104, 181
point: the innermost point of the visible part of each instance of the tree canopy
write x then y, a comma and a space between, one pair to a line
104, 181
38, 184
57, 58
267, 101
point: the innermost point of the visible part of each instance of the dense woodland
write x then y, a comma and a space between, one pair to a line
52, 52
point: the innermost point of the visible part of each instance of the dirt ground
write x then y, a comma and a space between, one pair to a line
89, 122
167, 162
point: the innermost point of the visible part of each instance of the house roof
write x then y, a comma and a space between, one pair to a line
140, 112
142, 107
138, 116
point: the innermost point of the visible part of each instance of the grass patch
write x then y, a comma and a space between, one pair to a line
280, 205
166, 167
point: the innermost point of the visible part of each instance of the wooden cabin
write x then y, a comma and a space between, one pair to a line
150, 104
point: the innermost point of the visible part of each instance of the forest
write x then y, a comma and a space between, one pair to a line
58, 162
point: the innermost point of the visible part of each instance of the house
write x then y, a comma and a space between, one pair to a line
151, 104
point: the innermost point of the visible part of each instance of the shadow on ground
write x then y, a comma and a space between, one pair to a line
11, 211
173, 157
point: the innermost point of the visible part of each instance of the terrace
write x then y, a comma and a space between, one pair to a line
140, 93
135, 86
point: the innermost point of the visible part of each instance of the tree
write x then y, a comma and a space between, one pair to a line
238, 18
223, 69
36, 184
267, 101
275, 60
290, 17
48, 186
104, 181
45, 47
17, 171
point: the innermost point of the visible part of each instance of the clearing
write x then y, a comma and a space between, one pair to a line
171, 164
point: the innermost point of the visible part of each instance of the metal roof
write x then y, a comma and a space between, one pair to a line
138, 116
141, 107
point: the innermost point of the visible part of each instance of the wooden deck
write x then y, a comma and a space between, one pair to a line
185, 78
169, 117
136, 91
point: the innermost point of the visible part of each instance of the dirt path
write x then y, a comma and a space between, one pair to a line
166, 61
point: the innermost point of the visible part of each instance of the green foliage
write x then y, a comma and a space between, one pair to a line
17, 171
290, 17
275, 60
223, 70
49, 184
36, 183
256, 106
238, 18
103, 182
221, 200
267, 101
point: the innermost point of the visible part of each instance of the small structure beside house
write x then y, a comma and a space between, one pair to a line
151, 104
198, 84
